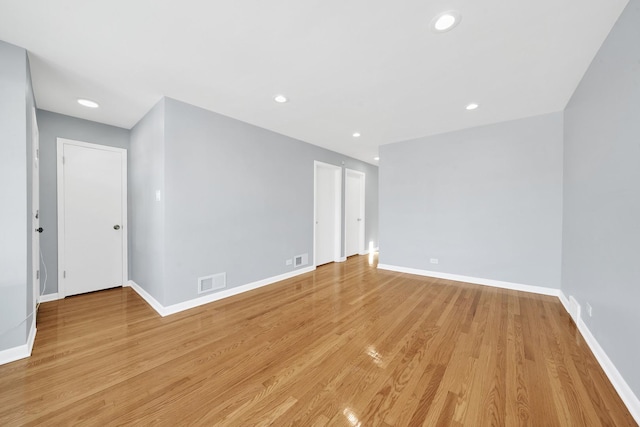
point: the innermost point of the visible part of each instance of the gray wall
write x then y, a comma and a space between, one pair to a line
486, 202
601, 238
238, 198
53, 126
146, 214
15, 235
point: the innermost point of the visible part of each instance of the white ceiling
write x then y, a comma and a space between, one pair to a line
372, 66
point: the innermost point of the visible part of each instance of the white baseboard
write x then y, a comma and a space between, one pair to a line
154, 303
49, 297
574, 309
565, 303
341, 259
367, 251
186, 305
32, 338
20, 352
475, 280
624, 391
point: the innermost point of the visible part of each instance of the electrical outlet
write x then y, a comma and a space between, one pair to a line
589, 310
289, 262
433, 260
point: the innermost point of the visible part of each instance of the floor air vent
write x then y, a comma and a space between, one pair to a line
211, 283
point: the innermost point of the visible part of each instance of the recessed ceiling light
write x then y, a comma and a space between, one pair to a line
376, 158
280, 99
88, 103
445, 21
472, 106
356, 134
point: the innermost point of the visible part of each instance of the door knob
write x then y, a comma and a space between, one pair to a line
116, 227
39, 229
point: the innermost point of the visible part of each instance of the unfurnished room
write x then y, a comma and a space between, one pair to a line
320, 213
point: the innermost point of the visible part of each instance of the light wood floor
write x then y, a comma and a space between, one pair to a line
347, 345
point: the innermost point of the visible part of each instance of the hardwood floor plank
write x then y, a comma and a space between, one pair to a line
518, 408
428, 385
344, 345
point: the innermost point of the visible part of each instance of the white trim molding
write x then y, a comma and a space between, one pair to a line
626, 394
624, 391
369, 251
49, 297
475, 280
154, 303
571, 306
22, 351
186, 305
565, 302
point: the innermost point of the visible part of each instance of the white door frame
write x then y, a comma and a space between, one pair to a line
61, 142
35, 208
361, 224
338, 207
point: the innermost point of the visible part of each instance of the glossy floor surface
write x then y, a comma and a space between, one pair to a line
346, 345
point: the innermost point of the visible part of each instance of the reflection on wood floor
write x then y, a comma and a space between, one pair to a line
345, 345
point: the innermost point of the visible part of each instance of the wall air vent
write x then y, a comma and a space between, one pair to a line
211, 283
300, 260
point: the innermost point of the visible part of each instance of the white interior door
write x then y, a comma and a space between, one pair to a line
354, 212
91, 217
35, 210
328, 183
